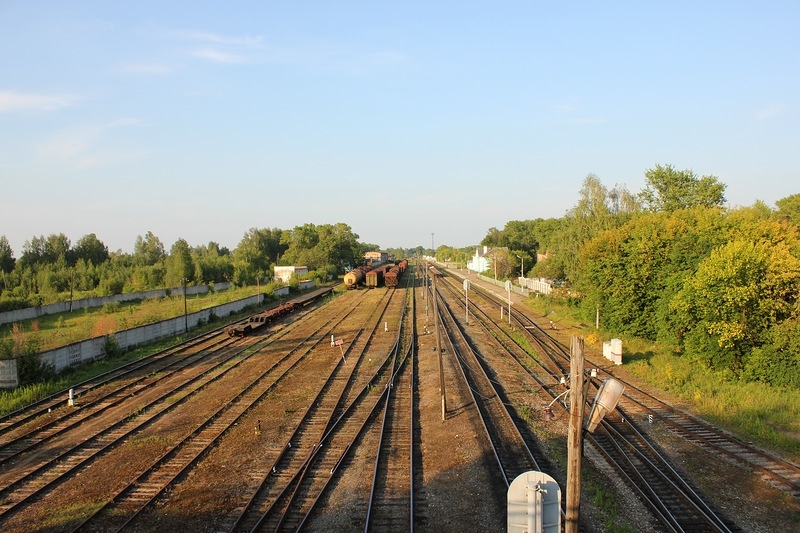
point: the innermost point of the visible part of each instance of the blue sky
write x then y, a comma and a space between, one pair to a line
200, 120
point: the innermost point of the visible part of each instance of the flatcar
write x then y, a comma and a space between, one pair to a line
259, 320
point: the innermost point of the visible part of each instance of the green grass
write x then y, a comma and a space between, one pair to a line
768, 416
11, 400
53, 331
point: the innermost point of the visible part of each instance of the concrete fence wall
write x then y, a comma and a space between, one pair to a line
93, 349
28, 313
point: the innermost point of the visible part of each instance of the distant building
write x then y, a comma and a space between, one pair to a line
482, 260
284, 273
376, 258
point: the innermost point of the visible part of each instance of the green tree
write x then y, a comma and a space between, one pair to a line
668, 189
592, 215
789, 207
91, 249
738, 294
41, 250
632, 272
7, 261
179, 265
212, 263
148, 250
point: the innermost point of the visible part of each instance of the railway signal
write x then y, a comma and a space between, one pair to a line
339, 343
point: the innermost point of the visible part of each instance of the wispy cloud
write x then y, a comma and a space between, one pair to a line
82, 147
770, 112
14, 101
211, 37
218, 56
220, 48
147, 69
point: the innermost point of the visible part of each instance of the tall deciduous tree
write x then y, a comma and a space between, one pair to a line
41, 250
738, 294
148, 250
180, 266
90, 248
7, 260
668, 189
789, 207
258, 250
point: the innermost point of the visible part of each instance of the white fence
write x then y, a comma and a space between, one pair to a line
540, 285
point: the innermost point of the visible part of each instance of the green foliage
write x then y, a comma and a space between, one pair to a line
789, 208
30, 367
91, 250
11, 303
670, 190
7, 260
777, 363
320, 247
728, 306
180, 266
148, 250
111, 346
632, 272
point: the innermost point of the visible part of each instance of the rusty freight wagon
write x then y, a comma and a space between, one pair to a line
374, 278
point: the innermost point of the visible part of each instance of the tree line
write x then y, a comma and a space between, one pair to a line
673, 265
52, 269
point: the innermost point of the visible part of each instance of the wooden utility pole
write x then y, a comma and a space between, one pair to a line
575, 435
438, 346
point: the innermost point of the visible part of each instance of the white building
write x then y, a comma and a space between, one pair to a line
482, 260
284, 273
376, 258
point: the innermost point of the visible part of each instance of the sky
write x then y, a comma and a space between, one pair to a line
415, 123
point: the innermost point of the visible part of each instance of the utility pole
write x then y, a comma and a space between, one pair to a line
439, 346
185, 314
575, 435
433, 250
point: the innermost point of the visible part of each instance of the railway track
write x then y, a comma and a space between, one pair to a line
391, 501
43, 409
671, 497
507, 444
24, 485
286, 492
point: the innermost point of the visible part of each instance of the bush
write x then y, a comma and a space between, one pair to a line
31, 369
111, 346
777, 363
111, 307
12, 303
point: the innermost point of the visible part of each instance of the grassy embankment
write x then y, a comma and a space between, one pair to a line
768, 416
52, 331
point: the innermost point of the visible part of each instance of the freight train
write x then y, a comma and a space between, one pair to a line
383, 275
356, 277
392, 277
259, 320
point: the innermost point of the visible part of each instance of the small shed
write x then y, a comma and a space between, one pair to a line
284, 273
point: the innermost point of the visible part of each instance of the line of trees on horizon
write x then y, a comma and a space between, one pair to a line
671, 264
51, 269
